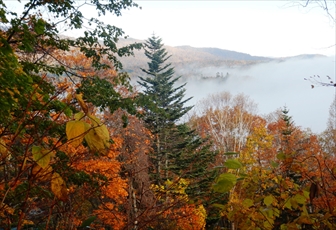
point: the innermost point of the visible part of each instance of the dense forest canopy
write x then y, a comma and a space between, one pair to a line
81, 148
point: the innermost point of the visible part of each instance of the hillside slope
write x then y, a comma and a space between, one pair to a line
188, 61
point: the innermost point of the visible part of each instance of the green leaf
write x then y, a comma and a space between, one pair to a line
306, 194
267, 225
225, 182
243, 175
304, 211
230, 153
274, 164
281, 156
248, 203
68, 112
300, 199
269, 213
41, 156
294, 203
283, 227
39, 26
268, 200
223, 186
232, 164
288, 204
88, 221
221, 206
276, 212
228, 176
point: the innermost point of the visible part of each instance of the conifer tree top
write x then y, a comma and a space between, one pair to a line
164, 101
158, 55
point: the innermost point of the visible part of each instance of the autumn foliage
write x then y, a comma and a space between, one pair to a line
79, 148
280, 180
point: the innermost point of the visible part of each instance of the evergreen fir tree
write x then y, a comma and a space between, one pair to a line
178, 152
164, 104
167, 104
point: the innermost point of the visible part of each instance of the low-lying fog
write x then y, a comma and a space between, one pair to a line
274, 85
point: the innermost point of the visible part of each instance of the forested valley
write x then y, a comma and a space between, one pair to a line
81, 148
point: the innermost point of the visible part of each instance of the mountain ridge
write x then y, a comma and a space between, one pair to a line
187, 60
226, 54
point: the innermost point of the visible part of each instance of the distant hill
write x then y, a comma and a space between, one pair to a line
188, 61
226, 54
182, 57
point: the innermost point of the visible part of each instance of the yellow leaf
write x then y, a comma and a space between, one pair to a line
58, 186
81, 102
8, 209
99, 133
294, 203
27, 222
276, 212
248, 203
79, 116
306, 194
300, 199
267, 225
75, 131
304, 211
95, 142
288, 204
268, 200
42, 156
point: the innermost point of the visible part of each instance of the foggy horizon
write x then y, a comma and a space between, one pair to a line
272, 86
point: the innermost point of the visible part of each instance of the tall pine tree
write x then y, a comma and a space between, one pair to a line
164, 105
177, 150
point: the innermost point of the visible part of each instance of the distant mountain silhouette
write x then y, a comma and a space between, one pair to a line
226, 54
187, 60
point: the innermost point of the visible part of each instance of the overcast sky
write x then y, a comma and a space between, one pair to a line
263, 28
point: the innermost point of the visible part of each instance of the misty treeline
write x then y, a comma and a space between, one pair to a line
81, 148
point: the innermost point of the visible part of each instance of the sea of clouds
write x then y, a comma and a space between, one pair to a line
274, 85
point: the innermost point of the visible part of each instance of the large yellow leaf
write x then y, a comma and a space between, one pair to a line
75, 131
42, 156
98, 137
95, 142
58, 186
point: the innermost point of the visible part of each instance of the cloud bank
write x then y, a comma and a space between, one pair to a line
272, 86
